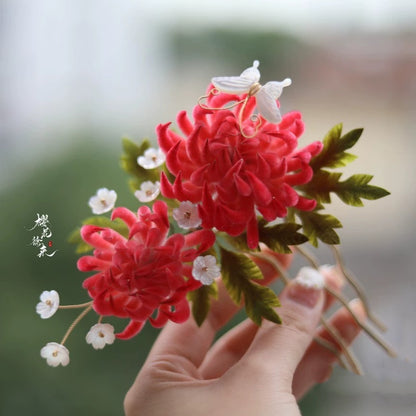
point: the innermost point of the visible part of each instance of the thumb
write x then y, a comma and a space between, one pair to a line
277, 349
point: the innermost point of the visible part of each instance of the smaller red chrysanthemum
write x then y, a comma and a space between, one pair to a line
145, 276
233, 176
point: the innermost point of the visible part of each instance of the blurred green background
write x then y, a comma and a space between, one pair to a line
79, 75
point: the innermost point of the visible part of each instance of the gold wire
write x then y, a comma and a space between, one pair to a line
240, 122
252, 92
215, 91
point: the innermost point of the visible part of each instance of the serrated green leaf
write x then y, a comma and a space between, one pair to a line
280, 237
201, 301
333, 154
356, 187
128, 161
321, 186
349, 191
260, 302
100, 221
320, 226
233, 243
237, 272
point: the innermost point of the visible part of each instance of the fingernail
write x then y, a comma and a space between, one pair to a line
333, 273
306, 288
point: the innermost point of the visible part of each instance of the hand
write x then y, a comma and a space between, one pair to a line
251, 370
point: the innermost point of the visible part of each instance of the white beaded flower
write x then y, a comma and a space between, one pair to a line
55, 354
151, 159
187, 215
205, 269
48, 305
103, 201
99, 335
148, 191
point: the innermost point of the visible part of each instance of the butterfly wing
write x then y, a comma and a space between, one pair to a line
266, 99
232, 85
240, 84
267, 106
275, 88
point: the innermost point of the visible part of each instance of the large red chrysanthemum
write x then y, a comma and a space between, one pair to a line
146, 274
233, 177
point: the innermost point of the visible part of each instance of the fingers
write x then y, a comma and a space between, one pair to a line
276, 350
192, 342
316, 365
229, 349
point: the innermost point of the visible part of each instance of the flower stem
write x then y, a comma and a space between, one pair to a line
344, 301
80, 305
353, 362
363, 325
329, 346
74, 324
358, 289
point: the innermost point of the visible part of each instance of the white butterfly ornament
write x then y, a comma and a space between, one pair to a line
248, 82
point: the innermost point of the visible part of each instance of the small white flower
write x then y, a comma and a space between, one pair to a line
148, 191
187, 215
103, 201
152, 158
205, 269
48, 305
99, 335
55, 354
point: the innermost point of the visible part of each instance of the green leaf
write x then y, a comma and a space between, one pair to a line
201, 301
356, 187
333, 154
349, 191
233, 243
131, 151
320, 226
280, 237
260, 302
321, 185
100, 221
237, 272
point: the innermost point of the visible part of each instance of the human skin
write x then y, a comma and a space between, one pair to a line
250, 370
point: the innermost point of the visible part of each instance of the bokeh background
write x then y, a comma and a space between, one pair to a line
76, 76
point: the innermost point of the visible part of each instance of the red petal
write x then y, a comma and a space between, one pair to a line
252, 234
124, 214
261, 193
166, 187
132, 329
184, 123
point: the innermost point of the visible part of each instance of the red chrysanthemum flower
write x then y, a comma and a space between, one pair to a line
233, 176
146, 274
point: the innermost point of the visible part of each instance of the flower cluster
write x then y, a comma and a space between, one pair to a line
233, 170
231, 177
144, 273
